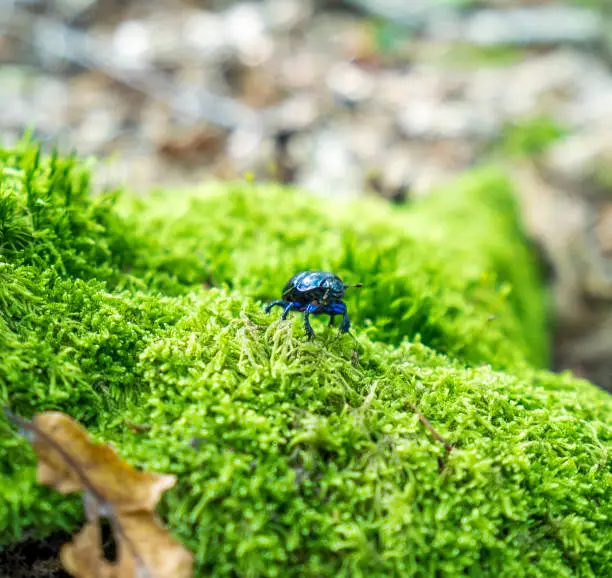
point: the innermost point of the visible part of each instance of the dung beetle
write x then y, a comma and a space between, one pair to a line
316, 292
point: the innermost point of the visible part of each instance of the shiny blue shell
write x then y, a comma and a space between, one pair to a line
311, 285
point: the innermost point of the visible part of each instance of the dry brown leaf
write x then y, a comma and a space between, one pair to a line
83, 556
66, 454
69, 461
144, 549
157, 550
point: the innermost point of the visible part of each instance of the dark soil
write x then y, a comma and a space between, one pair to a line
39, 557
34, 558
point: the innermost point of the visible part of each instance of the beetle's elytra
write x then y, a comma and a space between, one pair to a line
315, 292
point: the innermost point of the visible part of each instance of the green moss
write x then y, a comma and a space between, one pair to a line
299, 458
425, 277
531, 136
471, 56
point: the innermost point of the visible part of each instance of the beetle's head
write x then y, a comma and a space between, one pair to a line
334, 289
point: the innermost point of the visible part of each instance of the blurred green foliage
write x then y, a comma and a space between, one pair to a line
531, 136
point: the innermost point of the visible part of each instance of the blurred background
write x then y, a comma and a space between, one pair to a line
353, 97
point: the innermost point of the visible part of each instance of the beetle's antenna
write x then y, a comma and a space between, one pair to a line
356, 285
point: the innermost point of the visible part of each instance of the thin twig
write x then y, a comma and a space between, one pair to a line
447, 446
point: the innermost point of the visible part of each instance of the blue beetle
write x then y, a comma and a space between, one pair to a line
316, 292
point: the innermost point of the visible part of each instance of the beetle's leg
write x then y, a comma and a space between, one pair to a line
331, 320
346, 323
277, 303
312, 308
307, 327
288, 307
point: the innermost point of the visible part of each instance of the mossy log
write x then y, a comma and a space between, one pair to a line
299, 458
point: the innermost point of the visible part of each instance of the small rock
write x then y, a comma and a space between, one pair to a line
132, 45
99, 127
248, 150
296, 114
543, 83
245, 29
288, 14
49, 104
350, 83
259, 88
302, 70
168, 49
432, 120
14, 106
582, 162
194, 146
331, 168
204, 32
371, 134
398, 173
87, 91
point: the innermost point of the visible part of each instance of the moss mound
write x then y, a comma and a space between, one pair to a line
298, 458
